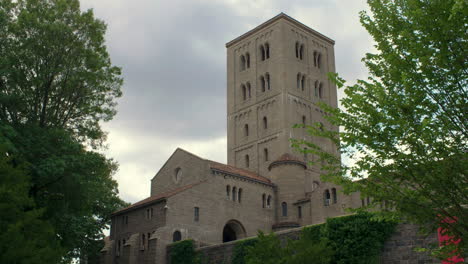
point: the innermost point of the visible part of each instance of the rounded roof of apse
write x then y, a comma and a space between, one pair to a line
287, 158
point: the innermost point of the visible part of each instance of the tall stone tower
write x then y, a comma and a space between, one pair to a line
275, 74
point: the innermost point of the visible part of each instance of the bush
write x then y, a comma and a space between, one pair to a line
183, 252
240, 250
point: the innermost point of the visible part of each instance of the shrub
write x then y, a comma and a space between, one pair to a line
240, 250
183, 252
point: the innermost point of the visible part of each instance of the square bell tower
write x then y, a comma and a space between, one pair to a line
276, 73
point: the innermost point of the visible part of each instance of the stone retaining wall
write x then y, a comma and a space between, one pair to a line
397, 250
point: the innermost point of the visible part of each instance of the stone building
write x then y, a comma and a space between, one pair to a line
275, 74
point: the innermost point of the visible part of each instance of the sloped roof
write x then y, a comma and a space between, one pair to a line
155, 198
287, 158
238, 172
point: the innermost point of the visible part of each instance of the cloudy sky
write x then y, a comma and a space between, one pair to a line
173, 57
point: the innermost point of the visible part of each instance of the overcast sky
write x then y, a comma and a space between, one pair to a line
173, 57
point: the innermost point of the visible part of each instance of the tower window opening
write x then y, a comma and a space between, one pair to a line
304, 120
298, 81
228, 192
248, 90
284, 209
301, 52
269, 201
246, 130
265, 154
263, 200
262, 52
176, 236
303, 83
315, 58
196, 214
247, 60
239, 195
316, 85
244, 92
268, 86
265, 122
326, 198
320, 90
319, 60
263, 83
247, 161
297, 50
234, 193
299, 212
267, 50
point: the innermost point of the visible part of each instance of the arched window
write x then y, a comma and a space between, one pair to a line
284, 209
301, 52
303, 83
297, 49
263, 200
320, 90
269, 201
319, 60
326, 198
196, 214
247, 161
303, 120
244, 92
263, 83
242, 63
267, 50
143, 240
299, 212
234, 193
247, 60
334, 198
298, 81
248, 90
262, 52
265, 154
176, 236
228, 192
246, 130
265, 122
316, 85
239, 195
267, 77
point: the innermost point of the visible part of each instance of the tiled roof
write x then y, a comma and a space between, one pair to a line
287, 158
237, 171
155, 198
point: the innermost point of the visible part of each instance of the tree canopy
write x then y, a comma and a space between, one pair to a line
57, 84
405, 127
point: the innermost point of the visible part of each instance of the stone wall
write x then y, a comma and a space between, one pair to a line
397, 250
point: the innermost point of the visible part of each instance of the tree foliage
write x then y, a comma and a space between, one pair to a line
57, 84
405, 127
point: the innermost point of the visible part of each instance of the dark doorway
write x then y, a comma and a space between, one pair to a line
229, 234
233, 230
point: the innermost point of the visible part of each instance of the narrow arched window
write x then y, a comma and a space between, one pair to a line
326, 198
244, 92
284, 209
234, 193
303, 83
334, 198
248, 90
176, 236
262, 83
297, 49
247, 60
319, 60
267, 77
304, 120
299, 212
143, 240
269, 201
228, 192
263, 200
262, 52
316, 86
242, 63
265, 154
239, 195
196, 214
247, 161
246, 130
267, 50
298, 81
320, 90
301, 52
265, 122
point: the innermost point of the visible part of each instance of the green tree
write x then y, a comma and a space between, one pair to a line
405, 127
57, 84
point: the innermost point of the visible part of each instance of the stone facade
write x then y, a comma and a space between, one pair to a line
275, 74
